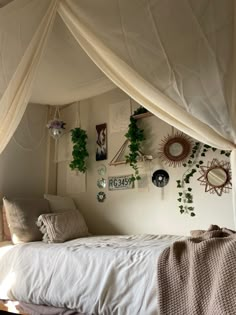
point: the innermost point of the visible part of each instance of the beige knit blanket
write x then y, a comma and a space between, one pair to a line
197, 276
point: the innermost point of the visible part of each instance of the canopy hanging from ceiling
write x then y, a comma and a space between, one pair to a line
176, 58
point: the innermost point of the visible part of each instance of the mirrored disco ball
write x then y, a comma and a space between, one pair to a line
56, 133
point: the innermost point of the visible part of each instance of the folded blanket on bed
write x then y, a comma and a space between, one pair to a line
197, 276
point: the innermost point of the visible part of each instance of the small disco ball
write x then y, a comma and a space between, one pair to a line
56, 133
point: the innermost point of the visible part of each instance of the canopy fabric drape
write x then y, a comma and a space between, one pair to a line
176, 58
18, 90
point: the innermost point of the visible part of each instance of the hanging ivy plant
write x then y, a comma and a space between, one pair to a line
140, 110
185, 196
135, 135
79, 138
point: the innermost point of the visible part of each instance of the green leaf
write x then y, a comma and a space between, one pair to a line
180, 193
181, 211
179, 199
192, 214
189, 189
79, 152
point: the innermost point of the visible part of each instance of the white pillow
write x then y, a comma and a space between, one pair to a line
59, 203
1, 224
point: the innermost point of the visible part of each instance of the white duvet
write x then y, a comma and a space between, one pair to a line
108, 275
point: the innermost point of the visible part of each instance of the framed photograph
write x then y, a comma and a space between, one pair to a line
101, 151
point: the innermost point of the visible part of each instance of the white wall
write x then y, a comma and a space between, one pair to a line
23, 162
135, 211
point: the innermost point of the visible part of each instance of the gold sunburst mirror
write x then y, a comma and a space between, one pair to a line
175, 149
216, 177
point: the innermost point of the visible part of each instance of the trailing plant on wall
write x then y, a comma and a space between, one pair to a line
79, 138
135, 135
185, 195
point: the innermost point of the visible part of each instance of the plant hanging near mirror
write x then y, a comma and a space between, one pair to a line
79, 138
135, 135
194, 163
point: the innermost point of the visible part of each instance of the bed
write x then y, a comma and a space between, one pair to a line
92, 275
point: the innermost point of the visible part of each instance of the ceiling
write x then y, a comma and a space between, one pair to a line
4, 2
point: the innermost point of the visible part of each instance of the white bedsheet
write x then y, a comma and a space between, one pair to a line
108, 275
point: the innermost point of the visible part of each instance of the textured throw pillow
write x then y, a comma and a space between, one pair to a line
22, 215
59, 203
63, 226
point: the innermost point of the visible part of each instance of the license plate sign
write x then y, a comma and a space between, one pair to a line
120, 182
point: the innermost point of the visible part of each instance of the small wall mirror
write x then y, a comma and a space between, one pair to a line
216, 177
175, 149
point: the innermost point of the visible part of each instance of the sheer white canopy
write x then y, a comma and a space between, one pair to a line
176, 58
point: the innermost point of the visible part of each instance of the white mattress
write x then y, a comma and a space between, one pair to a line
95, 275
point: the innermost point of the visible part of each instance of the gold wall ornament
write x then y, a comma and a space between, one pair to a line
175, 149
216, 177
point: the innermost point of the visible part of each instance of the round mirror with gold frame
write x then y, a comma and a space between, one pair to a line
216, 177
175, 149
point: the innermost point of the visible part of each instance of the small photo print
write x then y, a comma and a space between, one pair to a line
101, 151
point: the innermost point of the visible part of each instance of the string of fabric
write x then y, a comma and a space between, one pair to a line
39, 142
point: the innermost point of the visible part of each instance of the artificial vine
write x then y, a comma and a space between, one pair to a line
135, 135
185, 195
79, 153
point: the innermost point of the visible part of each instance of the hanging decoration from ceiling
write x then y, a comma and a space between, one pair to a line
175, 149
56, 126
216, 177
